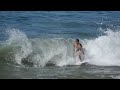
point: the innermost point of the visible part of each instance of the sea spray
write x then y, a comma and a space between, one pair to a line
19, 39
38, 51
103, 50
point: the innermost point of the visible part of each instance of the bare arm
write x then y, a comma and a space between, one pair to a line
82, 48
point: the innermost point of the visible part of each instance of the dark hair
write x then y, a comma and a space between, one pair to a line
77, 40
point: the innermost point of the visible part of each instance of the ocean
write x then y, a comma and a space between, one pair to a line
39, 44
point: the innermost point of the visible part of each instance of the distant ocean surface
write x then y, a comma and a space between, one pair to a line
38, 44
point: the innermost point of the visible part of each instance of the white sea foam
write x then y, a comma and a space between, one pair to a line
103, 50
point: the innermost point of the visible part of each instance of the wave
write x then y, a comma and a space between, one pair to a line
103, 50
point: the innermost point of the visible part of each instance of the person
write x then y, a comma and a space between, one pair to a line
78, 50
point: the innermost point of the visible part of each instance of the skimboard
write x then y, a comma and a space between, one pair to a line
82, 63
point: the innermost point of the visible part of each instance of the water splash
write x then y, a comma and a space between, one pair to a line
103, 50
19, 39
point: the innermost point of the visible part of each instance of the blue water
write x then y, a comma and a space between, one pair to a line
40, 28
67, 24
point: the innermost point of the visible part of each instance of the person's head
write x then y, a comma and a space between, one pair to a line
77, 41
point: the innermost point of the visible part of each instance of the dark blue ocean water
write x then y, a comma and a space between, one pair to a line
67, 24
33, 44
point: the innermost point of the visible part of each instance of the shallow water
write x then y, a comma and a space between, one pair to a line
54, 72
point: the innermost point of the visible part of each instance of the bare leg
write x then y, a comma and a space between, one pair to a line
80, 58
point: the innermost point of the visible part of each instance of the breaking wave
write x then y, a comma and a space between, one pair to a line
103, 50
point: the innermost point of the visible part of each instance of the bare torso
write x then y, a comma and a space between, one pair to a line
78, 50
78, 47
